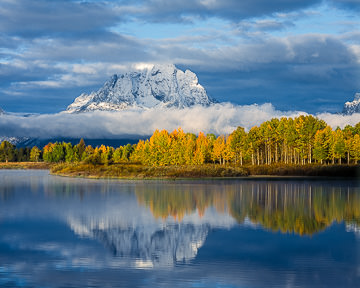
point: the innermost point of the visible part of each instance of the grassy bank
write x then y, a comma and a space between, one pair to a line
306, 170
138, 171
25, 165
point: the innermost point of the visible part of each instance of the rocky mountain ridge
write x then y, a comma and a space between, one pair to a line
353, 106
161, 86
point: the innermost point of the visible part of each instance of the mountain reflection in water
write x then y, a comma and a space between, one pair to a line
65, 224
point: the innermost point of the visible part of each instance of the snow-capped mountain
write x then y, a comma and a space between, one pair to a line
352, 107
159, 86
17, 141
1, 111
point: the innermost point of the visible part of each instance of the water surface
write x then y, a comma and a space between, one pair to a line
64, 232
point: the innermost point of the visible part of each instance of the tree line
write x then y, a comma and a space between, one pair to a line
301, 140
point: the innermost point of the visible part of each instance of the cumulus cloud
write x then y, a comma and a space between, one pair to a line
339, 120
218, 119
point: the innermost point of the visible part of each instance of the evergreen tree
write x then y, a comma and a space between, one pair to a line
80, 149
22, 154
7, 152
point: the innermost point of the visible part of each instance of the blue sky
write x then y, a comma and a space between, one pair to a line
297, 55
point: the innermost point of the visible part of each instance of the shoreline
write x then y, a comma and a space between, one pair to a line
25, 165
133, 171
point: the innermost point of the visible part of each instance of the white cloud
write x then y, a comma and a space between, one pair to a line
218, 119
339, 120
143, 66
40, 84
356, 50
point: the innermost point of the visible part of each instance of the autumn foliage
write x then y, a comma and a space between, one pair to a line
302, 140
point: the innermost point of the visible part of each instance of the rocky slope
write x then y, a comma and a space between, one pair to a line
17, 141
161, 86
353, 106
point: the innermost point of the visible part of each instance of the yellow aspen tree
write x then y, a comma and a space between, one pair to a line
218, 149
190, 148
355, 148
228, 152
35, 154
201, 149
177, 147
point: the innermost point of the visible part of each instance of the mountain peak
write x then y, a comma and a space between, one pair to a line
353, 106
159, 85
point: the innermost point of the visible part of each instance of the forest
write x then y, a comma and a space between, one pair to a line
301, 140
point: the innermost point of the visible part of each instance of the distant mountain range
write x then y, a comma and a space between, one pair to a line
353, 106
161, 86
18, 141
22, 142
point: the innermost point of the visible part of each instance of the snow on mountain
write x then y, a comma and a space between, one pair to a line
159, 86
162, 245
352, 107
1, 111
17, 141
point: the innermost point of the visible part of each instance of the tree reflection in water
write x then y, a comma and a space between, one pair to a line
302, 207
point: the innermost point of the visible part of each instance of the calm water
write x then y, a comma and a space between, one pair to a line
62, 232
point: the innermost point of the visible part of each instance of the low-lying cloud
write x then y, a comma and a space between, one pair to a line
218, 119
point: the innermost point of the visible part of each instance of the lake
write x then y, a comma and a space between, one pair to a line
288, 232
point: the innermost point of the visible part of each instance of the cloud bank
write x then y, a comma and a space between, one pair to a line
218, 119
